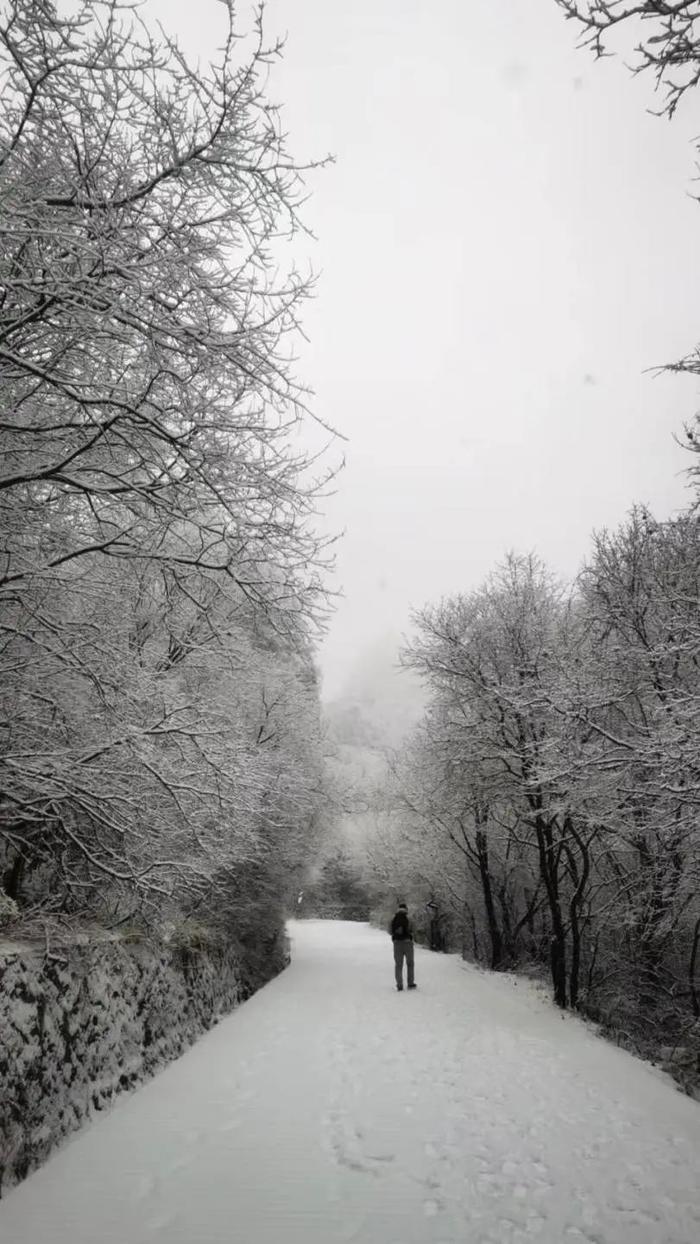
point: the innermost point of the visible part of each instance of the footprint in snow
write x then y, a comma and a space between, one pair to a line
587, 1236
490, 1183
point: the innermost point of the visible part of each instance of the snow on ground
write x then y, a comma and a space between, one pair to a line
330, 1109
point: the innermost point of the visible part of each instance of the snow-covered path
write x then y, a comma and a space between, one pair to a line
332, 1110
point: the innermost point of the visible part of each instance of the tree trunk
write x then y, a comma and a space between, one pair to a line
549, 871
580, 881
694, 999
12, 879
575, 955
492, 921
509, 938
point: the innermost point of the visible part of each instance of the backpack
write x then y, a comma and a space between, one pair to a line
399, 926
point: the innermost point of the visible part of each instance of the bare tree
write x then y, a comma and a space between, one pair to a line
488, 657
149, 743
640, 596
145, 327
553, 785
160, 571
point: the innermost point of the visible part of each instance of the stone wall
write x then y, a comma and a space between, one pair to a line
86, 1022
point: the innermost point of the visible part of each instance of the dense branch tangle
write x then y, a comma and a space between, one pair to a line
159, 566
560, 757
143, 325
667, 35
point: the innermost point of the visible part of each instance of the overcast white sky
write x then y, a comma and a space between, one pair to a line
506, 242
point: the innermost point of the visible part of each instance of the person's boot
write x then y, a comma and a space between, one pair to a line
399, 988
413, 986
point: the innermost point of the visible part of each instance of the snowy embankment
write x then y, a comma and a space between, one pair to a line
332, 1109
93, 1018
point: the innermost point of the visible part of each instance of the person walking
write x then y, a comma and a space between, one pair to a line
401, 931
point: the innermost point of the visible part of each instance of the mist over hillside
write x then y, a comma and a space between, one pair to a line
377, 707
379, 702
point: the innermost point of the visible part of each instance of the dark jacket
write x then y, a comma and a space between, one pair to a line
401, 928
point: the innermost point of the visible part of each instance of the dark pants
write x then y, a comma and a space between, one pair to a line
403, 949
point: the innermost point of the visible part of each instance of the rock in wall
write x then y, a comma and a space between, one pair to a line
87, 1022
